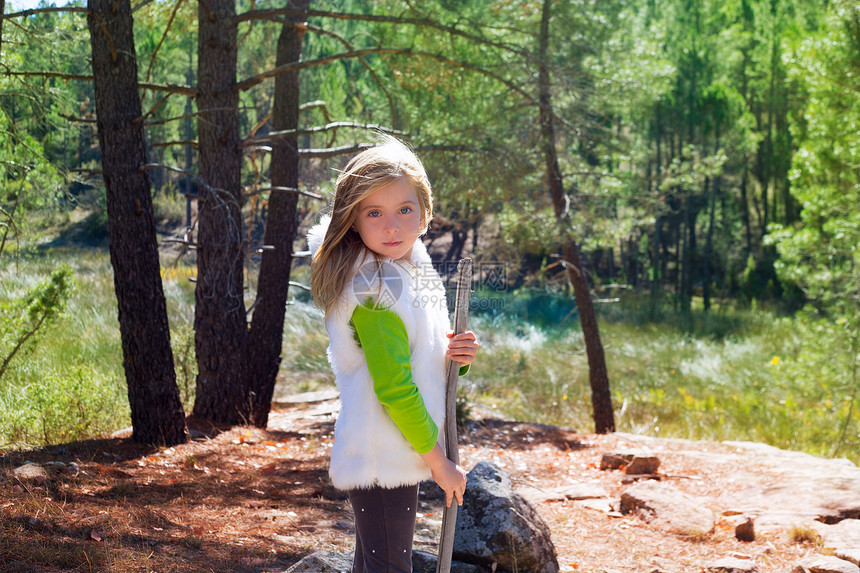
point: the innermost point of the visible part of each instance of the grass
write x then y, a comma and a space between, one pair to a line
723, 375
762, 378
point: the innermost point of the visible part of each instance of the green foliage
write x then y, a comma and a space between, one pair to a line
169, 206
820, 253
25, 320
185, 363
72, 403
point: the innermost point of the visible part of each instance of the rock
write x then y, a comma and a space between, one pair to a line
809, 488
631, 461
745, 530
668, 508
31, 474
852, 555
496, 525
425, 562
575, 491
845, 534
732, 565
198, 435
123, 433
825, 564
323, 562
55, 468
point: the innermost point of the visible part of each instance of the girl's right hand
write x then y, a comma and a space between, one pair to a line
448, 475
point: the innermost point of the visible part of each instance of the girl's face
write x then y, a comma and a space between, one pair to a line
389, 220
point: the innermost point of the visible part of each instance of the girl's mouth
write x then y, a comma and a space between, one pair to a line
392, 244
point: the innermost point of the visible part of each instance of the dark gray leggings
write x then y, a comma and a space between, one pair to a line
384, 526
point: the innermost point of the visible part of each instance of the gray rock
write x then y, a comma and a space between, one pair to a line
633, 462
825, 564
31, 474
496, 525
323, 562
425, 562
668, 508
732, 565
55, 468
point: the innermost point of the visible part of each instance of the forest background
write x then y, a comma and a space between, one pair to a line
700, 158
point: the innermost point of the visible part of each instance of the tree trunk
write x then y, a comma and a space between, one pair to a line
265, 340
709, 241
686, 290
156, 409
601, 399
219, 320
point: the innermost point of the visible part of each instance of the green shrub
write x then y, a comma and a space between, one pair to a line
60, 406
25, 320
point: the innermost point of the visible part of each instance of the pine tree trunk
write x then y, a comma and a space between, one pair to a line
265, 341
156, 409
219, 320
604, 418
709, 241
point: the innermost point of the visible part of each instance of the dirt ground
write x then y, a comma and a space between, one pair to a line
252, 500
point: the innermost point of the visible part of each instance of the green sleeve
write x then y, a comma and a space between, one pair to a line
385, 342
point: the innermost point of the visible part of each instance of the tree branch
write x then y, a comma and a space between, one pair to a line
252, 81
163, 37
34, 11
392, 108
283, 190
274, 135
422, 22
192, 143
173, 88
333, 151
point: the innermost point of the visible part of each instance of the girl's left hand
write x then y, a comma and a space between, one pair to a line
463, 347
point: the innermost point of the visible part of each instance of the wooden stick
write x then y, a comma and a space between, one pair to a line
461, 313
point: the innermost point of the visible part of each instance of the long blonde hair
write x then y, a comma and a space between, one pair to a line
333, 264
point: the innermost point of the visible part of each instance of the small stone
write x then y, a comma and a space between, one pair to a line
732, 565
633, 462
425, 562
55, 468
323, 562
198, 435
825, 564
745, 531
31, 473
641, 465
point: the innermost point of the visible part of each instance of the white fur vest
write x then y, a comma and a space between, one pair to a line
368, 448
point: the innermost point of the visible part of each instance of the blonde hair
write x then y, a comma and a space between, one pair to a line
333, 264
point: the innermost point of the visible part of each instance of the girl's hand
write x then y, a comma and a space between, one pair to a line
448, 475
463, 347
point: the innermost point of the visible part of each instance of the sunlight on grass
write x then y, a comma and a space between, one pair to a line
729, 375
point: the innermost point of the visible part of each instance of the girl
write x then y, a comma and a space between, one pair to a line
387, 321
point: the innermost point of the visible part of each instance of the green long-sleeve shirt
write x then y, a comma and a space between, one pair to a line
383, 337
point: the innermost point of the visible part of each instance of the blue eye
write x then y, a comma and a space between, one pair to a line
373, 213
405, 210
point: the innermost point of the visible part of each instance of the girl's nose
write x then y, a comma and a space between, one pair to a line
390, 225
